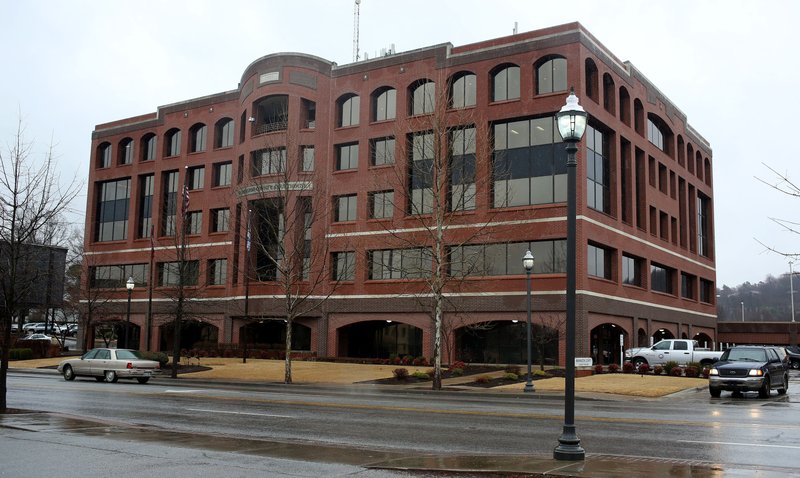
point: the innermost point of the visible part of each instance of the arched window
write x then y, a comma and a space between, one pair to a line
624, 105
270, 113
422, 95
148, 147
592, 80
348, 106
125, 151
707, 163
384, 104
551, 75
199, 133
681, 152
609, 94
690, 158
462, 90
223, 133
172, 143
698, 167
638, 116
505, 83
104, 155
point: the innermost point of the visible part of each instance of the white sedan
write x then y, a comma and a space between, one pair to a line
110, 365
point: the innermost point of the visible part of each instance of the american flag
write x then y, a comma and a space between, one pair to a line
185, 199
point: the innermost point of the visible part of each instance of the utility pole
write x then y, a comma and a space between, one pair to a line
791, 287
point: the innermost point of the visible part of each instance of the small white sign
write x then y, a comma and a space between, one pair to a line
583, 361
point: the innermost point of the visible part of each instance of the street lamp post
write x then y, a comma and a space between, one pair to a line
571, 122
742, 311
527, 263
791, 287
128, 285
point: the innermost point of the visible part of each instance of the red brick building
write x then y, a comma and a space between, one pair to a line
358, 146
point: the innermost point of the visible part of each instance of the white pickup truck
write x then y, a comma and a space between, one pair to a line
676, 350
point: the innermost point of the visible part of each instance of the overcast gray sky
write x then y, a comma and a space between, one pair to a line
68, 66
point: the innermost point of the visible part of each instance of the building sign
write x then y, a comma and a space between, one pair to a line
583, 361
258, 189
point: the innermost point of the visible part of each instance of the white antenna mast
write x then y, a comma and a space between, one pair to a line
356, 15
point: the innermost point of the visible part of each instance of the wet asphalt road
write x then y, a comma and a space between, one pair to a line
688, 427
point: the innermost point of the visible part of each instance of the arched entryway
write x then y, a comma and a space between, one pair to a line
605, 344
662, 334
506, 343
194, 334
271, 335
704, 340
379, 339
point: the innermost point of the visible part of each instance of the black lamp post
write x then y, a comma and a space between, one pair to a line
571, 124
527, 263
128, 285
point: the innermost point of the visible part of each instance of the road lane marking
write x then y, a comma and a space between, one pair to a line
271, 415
182, 391
739, 444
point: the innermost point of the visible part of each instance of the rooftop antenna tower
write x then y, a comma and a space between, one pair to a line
356, 15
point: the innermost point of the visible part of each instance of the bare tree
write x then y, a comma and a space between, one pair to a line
286, 213
442, 170
31, 198
783, 184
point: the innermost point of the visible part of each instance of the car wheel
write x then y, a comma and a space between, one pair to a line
111, 376
795, 364
715, 392
638, 362
69, 375
785, 387
763, 392
143, 380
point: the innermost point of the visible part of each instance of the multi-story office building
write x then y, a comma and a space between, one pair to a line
363, 165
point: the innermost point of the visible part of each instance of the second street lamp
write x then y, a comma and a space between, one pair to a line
527, 263
571, 122
128, 285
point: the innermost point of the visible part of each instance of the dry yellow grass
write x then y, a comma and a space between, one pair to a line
620, 384
340, 373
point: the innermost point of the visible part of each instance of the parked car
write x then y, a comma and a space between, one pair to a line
793, 351
678, 350
52, 340
782, 353
110, 365
34, 327
749, 369
72, 330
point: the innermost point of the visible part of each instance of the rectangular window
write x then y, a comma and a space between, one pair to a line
269, 161
597, 170
421, 173
308, 158
220, 219
382, 151
462, 169
598, 260
381, 204
217, 271
661, 278
115, 276
707, 292
399, 264
345, 208
146, 188
703, 225
169, 273
222, 174
196, 178
529, 163
550, 257
111, 222
631, 270
344, 266
688, 282
169, 203
346, 156
195, 219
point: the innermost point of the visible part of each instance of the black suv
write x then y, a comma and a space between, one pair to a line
749, 369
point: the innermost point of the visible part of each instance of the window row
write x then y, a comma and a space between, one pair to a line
147, 145
504, 85
169, 274
601, 262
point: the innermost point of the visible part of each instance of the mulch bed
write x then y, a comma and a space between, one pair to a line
472, 370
